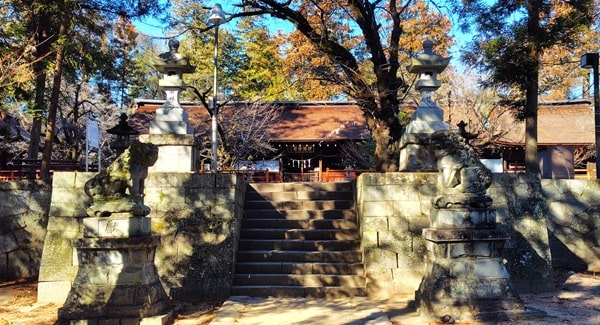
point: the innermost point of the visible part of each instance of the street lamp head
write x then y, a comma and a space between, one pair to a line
217, 16
589, 60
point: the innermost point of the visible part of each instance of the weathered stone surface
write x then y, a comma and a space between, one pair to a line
380, 259
377, 209
8, 243
112, 284
415, 157
53, 291
14, 204
196, 230
465, 218
133, 226
20, 263
168, 139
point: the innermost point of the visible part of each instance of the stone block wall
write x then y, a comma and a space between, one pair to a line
197, 217
573, 221
394, 208
23, 218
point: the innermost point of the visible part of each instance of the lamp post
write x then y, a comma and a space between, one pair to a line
217, 17
590, 60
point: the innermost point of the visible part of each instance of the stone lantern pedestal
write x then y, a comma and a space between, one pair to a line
117, 281
466, 277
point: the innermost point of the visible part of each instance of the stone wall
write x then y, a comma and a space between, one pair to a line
573, 220
198, 218
393, 208
555, 225
23, 218
196, 215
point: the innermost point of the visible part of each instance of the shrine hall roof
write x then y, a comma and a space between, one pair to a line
568, 122
559, 122
299, 121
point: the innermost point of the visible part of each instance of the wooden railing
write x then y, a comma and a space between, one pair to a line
21, 168
338, 175
261, 176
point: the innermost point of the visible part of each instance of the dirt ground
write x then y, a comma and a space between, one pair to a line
577, 301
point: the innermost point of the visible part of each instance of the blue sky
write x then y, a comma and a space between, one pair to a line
154, 28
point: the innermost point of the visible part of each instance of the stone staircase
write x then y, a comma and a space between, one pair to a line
299, 240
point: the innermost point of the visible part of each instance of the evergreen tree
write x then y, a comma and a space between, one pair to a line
513, 37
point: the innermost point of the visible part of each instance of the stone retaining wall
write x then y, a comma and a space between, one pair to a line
23, 218
197, 217
556, 225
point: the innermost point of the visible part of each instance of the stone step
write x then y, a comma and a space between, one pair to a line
298, 196
298, 291
269, 223
298, 205
301, 187
300, 214
307, 234
299, 256
299, 268
305, 280
299, 240
298, 245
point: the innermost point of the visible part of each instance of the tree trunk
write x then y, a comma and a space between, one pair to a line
40, 27
56, 81
532, 166
387, 154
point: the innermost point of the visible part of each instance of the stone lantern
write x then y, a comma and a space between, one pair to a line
415, 152
170, 130
123, 132
171, 118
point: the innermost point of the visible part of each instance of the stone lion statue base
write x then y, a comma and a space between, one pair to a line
120, 187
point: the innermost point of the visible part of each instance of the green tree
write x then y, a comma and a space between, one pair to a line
63, 20
513, 37
356, 46
260, 75
54, 27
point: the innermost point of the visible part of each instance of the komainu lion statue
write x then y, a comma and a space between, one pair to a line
462, 178
120, 187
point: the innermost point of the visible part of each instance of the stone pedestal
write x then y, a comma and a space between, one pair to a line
177, 152
466, 277
117, 281
416, 155
171, 118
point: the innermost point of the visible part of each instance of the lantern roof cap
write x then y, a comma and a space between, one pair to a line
428, 60
122, 127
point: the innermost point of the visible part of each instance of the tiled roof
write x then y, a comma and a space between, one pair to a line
320, 122
314, 121
560, 122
